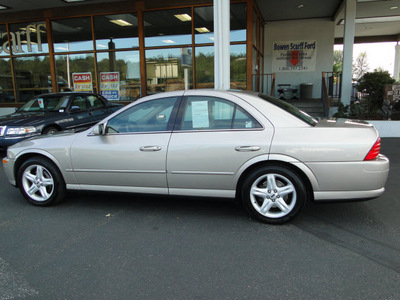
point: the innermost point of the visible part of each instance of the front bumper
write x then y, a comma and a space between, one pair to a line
8, 166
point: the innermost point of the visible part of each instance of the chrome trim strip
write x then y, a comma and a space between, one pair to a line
201, 173
117, 171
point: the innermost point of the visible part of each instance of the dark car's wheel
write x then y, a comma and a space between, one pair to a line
50, 130
273, 194
41, 182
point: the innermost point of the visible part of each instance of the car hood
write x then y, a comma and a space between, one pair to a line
25, 118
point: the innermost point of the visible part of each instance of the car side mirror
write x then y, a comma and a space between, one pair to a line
100, 129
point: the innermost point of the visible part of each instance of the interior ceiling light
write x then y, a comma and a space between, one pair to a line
202, 29
168, 41
374, 20
183, 17
121, 22
393, 7
4, 7
72, 1
300, 6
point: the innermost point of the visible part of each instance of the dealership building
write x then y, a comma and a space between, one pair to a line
129, 49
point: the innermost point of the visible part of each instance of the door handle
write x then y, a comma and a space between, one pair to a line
150, 148
247, 148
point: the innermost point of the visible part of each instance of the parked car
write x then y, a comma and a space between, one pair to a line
258, 150
50, 113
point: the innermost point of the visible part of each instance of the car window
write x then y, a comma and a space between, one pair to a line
209, 113
95, 102
149, 116
47, 103
78, 103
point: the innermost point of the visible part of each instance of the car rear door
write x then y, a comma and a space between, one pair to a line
214, 137
131, 156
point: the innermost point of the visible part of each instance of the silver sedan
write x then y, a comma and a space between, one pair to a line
256, 149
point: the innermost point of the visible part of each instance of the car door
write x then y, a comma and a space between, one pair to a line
78, 111
131, 155
214, 137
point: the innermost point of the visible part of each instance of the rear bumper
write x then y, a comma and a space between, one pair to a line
350, 180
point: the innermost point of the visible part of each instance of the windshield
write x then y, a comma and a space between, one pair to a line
291, 109
54, 103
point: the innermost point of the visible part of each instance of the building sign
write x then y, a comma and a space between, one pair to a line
82, 82
109, 85
24, 39
294, 56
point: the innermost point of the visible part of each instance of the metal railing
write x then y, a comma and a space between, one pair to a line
264, 83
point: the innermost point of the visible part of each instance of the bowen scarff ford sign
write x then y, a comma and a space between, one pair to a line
294, 56
26, 38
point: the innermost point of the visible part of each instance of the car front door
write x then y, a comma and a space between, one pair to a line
213, 139
131, 155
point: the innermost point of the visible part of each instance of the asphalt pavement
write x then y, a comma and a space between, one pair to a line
118, 246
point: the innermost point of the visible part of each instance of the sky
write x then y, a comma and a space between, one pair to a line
378, 55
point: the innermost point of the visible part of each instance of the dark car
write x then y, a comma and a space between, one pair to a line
50, 113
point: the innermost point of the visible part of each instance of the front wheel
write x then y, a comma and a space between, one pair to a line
41, 182
273, 194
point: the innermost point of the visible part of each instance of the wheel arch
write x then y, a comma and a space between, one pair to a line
58, 127
23, 157
305, 174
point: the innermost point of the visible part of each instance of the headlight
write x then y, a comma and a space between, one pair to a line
20, 130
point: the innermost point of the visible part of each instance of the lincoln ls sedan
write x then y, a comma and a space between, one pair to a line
256, 149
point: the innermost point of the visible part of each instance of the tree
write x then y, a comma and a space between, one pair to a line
337, 61
360, 66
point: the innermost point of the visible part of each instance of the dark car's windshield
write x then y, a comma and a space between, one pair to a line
45, 104
291, 109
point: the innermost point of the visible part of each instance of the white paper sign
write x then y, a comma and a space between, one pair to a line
200, 114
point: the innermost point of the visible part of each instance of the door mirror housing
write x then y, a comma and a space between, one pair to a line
100, 129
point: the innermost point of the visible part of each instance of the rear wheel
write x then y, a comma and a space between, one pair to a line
41, 182
273, 194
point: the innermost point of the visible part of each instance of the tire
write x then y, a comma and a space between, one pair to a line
273, 194
41, 182
50, 130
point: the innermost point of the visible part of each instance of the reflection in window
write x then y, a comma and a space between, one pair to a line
27, 38
4, 47
116, 31
145, 117
238, 67
205, 113
168, 70
168, 27
32, 76
6, 83
204, 67
204, 24
66, 65
128, 66
238, 22
73, 34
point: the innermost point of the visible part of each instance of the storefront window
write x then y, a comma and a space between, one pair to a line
66, 65
204, 67
28, 38
166, 72
116, 31
238, 22
73, 34
4, 48
204, 24
126, 64
32, 76
238, 67
168, 27
6, 83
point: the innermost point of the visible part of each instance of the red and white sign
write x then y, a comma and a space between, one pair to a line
82, 82
294, 56
109, 85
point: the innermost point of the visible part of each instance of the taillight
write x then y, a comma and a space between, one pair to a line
374, 152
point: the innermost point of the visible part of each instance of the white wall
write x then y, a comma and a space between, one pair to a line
320, 30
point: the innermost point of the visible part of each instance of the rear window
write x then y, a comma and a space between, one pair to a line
293, 110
